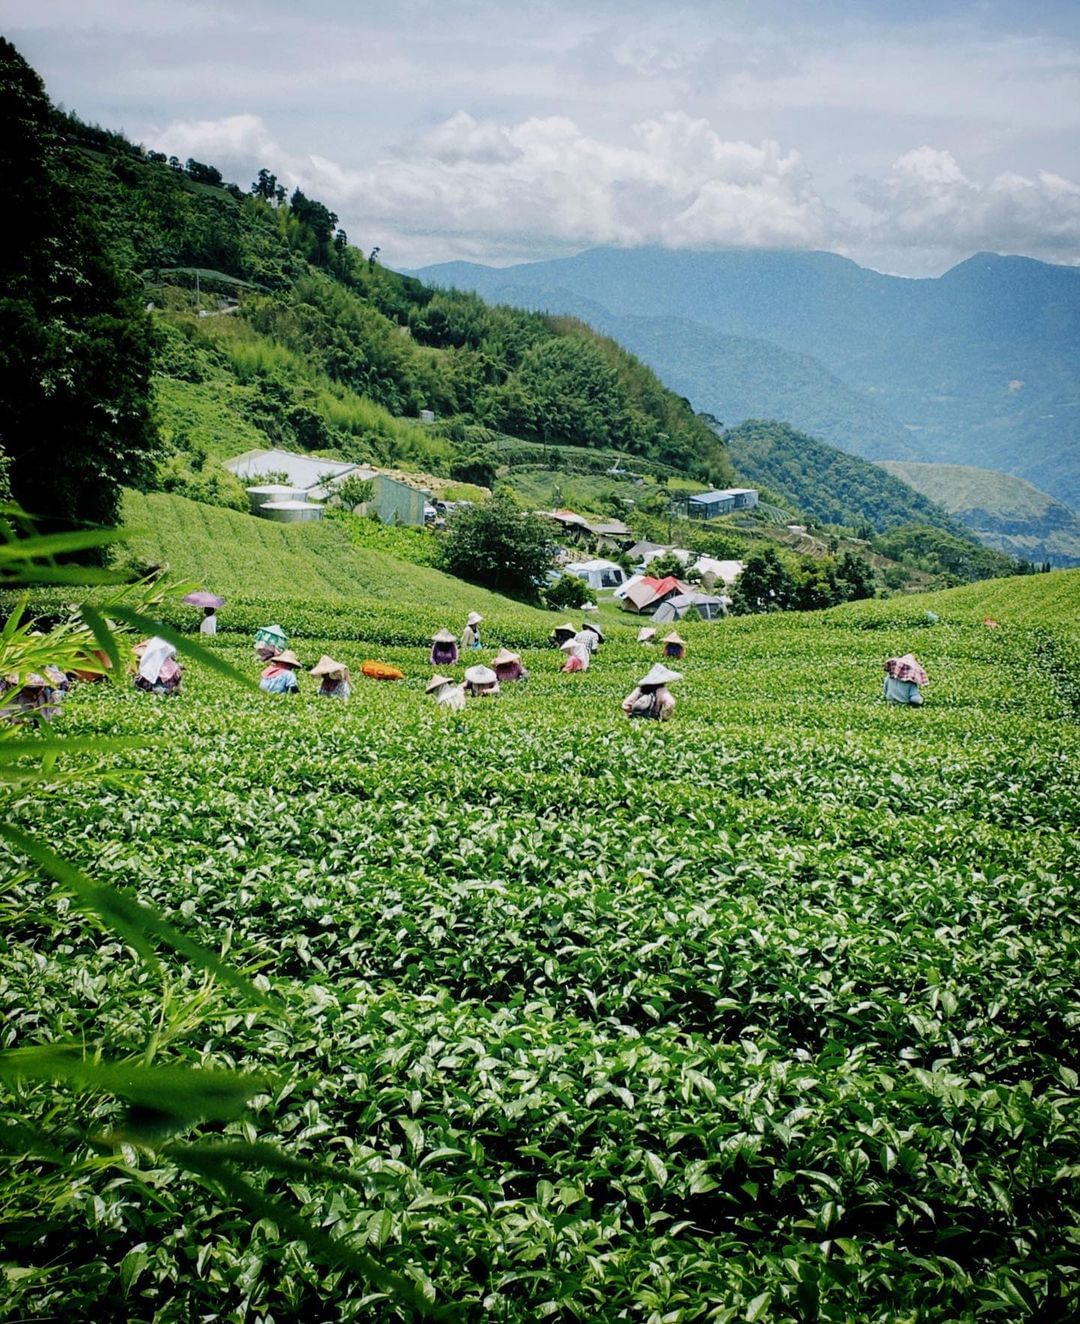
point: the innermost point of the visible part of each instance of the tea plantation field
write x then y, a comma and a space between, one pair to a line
770, 1013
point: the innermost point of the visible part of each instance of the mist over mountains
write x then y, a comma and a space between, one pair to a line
980, 366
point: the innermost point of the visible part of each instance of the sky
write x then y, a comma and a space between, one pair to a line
906, 134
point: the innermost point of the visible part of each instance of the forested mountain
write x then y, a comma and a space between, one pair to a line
827, 484
976, 367
325, 333
1001, 510
268, 327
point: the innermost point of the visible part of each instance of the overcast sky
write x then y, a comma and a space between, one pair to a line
905, 133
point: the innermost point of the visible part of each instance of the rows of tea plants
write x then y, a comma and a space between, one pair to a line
769, 1013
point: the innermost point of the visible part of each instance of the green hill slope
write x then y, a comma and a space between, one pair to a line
978, 365
335, 326
829, 485
541, 974
1003, 511
312, 576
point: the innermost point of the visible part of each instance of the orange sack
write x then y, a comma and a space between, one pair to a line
381, 671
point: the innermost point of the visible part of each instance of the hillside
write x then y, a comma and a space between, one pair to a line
264, 326
1003, 511
1031, 601
311, 574
555, 989
316, 346
827, 484
977, 367
731, 377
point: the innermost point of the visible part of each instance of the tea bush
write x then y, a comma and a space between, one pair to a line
769, 1013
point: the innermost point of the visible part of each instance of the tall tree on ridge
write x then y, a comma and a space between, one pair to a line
75, 344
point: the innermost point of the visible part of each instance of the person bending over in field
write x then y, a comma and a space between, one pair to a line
674, 645
651, 698
481, 683
269, 639
156, 668
561, 635
37, 700
443, 649
903, 676
280, 676
470, 637
508, 666
334, 676
446, 694
647, 635
591, 628
577, 655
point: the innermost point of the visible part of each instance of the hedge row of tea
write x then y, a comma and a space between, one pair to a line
770, 1013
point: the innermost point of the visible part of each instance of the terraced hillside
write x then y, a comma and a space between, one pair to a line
768, 1013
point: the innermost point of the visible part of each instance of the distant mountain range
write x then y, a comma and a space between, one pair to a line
976, 367
1002, 511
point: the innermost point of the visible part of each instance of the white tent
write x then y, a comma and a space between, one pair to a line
598, 573
726, 571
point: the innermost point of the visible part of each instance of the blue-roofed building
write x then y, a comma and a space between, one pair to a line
721, 501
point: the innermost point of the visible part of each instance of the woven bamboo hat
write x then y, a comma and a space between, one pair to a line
287, 659
660, 675
326, 666
480, 676
437, 682
673, 638
646, 633
504, 657
444, 637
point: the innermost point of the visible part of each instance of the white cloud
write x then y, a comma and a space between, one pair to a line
927, 201
507, 191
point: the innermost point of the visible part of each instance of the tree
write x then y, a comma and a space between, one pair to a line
75, 343
856, 576
265, 186
498, 545
764, 585
568, 593
202, 173
479, 468
666, 563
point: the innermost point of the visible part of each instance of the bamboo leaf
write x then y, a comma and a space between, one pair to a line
134, 921
185, 1094
104, 636
191, 646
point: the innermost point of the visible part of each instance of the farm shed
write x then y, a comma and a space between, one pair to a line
598, 573
310, 478
721, 501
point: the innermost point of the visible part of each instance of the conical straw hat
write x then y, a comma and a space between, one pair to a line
480, 676
444, 637
287, 659
504, 657
660, 675
673, 638
326, 666
436, 682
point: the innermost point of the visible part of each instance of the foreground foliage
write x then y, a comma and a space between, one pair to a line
765, 1015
